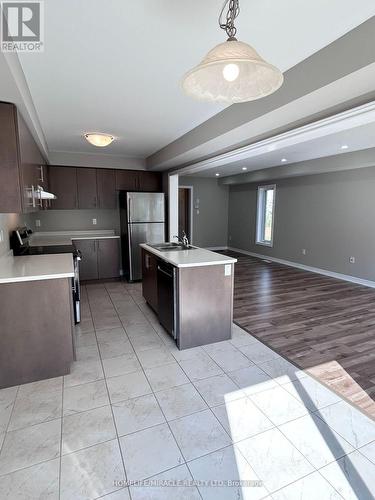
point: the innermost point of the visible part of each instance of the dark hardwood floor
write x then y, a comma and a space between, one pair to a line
321, 324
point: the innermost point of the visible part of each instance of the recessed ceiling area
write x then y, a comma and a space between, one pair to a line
362, 137
127, 84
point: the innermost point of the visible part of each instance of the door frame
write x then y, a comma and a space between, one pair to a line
191, 202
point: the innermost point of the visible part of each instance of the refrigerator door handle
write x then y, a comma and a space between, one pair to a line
130, 252
129, 209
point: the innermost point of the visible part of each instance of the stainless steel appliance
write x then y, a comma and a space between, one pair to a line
20, 244
142, 218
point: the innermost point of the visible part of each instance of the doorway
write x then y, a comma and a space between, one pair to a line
185, 211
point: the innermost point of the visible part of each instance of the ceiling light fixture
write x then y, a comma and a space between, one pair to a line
99, 140
217, 175
283, 160
344, 146
244, 168
232, 71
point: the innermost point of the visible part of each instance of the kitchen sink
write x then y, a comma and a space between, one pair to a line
170, 246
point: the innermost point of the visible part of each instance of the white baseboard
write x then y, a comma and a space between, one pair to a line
339, 276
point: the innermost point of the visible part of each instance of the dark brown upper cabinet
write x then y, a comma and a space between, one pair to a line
63, 184
20, 162
138, 180
126, 180
106, 182
150, 181
87, 188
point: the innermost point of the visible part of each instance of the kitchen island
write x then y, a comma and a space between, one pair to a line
36, 317
191, 291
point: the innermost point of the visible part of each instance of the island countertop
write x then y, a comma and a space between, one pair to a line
36, 267
195, 257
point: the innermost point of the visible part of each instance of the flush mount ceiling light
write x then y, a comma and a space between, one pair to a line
232, 71
244, 168
99, 140
283, 160
217, 175
344, 146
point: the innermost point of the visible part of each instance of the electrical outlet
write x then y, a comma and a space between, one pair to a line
197, 212
303, 251
37, 223
352, 260
94, 222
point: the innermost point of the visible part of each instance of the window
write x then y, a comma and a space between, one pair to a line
265, 215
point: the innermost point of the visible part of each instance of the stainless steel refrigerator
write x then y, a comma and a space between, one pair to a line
142, 218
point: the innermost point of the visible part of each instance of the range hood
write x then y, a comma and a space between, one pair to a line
45, 195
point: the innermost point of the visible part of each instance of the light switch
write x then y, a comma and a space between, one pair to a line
37, 223
94, 222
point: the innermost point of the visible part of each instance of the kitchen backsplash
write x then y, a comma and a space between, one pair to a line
8, 222
75, 220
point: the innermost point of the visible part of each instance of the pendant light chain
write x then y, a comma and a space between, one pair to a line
228, 25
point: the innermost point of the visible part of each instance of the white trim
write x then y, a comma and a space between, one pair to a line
345, 120
173, 205
260, 217
191, 210
325, 272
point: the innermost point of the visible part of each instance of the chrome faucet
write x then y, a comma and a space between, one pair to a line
184, 239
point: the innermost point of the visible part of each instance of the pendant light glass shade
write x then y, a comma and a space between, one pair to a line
232, 72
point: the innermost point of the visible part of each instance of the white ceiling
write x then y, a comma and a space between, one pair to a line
358, 138
115, 66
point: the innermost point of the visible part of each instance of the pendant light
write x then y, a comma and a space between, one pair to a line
232, 71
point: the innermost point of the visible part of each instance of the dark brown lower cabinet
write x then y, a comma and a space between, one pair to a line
88, 267
100, 258
36, 340
108, 258
149, 279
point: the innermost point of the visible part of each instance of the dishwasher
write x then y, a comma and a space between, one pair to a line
167, 299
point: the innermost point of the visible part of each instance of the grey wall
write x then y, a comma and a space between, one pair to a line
210, 226
75, 220
331, 215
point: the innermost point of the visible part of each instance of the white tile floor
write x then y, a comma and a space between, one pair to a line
136, 408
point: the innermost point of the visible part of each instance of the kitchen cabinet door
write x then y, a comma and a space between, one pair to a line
107, 194
87, 188
10, 200
108, 258
150, 181
127, 180
63, 183
149, 279
88, 266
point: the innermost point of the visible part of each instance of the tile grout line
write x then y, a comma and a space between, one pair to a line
208, 407
166, 420
61, 433
109, 398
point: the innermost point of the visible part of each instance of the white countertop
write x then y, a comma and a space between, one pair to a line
65, 237
36, 267
191, 258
